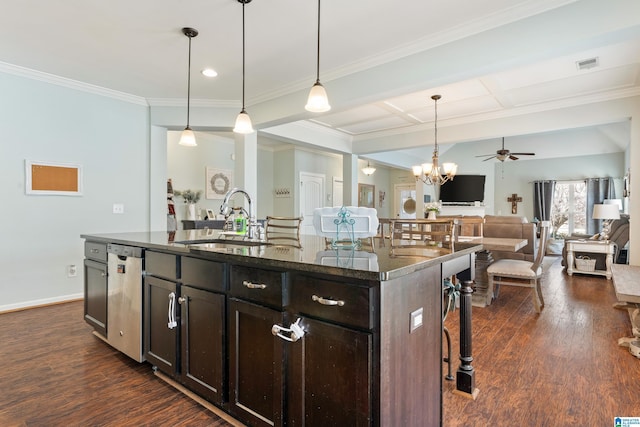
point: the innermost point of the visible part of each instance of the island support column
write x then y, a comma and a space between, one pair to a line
466, 376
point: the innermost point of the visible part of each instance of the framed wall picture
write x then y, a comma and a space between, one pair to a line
366, 195
49, 178
219, 182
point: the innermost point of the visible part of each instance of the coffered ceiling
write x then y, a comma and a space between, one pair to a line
496, 62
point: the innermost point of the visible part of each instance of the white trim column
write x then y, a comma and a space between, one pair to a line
349, 180
246, 166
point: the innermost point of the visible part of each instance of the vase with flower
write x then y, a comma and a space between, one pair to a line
431, 210
190, 197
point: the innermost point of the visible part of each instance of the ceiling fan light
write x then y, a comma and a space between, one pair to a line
317, 101
188, 138
243, 123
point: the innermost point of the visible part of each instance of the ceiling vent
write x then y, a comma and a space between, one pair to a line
585, 64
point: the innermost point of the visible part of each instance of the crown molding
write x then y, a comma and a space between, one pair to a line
71, 84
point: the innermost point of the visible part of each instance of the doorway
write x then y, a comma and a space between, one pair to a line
311, 197
405, 205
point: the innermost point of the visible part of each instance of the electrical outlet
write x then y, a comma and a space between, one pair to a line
118, 208
72, 270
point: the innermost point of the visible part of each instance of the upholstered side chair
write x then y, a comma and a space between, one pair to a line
515, 272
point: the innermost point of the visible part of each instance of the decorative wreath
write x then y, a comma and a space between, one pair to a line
215, 183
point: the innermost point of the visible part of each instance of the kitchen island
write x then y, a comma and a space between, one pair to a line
278, 335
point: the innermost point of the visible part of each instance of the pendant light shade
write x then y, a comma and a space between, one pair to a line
188, 138
369, 170
318, 101
243, 121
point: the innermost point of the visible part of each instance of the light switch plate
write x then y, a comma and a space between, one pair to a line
416, 319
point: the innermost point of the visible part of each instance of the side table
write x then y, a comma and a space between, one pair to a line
590, 246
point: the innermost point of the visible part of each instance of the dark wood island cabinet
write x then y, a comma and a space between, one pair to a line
298, 337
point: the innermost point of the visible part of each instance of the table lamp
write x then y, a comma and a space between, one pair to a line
608, 213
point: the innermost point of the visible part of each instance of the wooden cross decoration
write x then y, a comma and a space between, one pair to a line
514, 199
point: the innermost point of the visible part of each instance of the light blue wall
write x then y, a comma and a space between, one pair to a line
519, 176
41, 234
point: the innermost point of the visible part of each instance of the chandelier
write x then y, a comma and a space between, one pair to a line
430, 173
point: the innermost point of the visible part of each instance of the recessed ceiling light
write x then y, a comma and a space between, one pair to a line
209, 72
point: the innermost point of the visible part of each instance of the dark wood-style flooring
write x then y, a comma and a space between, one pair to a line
560, 367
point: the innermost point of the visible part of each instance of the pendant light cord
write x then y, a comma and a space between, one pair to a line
318, 51
243, 44
189, 82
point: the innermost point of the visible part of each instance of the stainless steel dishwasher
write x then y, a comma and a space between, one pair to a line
124, 301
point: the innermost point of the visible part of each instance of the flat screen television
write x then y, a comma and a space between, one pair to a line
464, 189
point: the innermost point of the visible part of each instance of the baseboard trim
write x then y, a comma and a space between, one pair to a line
210, 406
26, 305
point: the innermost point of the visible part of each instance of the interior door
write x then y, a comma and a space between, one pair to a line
337, 192
311, 197
405, 205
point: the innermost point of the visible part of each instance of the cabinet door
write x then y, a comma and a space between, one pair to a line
160, 340
95, 295
330, 377
256, 361
202, 326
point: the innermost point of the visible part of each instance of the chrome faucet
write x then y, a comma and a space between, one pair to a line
226, 210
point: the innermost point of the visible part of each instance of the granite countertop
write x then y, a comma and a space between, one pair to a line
314, 256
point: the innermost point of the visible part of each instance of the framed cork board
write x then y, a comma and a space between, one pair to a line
47, 178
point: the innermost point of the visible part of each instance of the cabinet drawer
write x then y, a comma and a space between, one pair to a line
335, 301
262, 286
203, 274
161, 265
96, 251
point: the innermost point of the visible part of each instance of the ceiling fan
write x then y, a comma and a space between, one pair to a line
503, 154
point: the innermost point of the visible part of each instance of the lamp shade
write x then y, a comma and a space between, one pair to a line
617, 202
608, 211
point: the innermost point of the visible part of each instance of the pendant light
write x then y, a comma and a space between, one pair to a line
243, 121
430, 173
188, 138
318, 101
369, 170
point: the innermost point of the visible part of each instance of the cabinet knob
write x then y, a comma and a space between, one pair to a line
251, 285
182, 300
326, 301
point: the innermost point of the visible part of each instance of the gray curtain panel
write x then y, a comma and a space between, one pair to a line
543, 199
598, 189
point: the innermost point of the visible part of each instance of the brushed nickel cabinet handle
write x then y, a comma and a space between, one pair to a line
94, 251
326, 301
250, 285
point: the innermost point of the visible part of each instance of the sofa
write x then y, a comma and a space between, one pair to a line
516, 227
618, 234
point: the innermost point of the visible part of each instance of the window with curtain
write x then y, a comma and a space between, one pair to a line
568, 211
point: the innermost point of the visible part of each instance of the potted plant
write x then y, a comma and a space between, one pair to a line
190, 197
